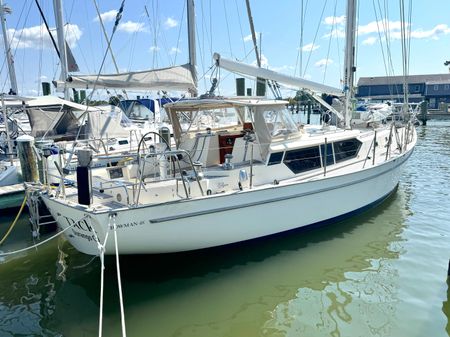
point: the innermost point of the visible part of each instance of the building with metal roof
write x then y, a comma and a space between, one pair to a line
434, 88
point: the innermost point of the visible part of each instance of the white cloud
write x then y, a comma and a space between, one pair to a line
170, 23
174, 50
31, 92
385, 27
154, 48
441, 29
310, 47
264, 62
284, 68
370, 41
335, 33
382, 26
393, 29
131, 27
323, 62
249, 37
334, 20
37, 36
73, 34
107, 16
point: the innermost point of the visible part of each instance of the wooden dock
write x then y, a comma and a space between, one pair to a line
11, 196
438, 115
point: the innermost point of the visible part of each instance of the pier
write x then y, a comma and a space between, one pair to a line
438, 115
11, 196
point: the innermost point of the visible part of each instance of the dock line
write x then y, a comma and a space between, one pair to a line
42, 242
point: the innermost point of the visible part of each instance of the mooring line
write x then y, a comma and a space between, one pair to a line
42, 242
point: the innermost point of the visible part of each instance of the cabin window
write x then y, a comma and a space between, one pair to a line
301, 160
123, 142
446, 87
199, 120
329, 159
436, 87
279, 122
275, 158
346, 149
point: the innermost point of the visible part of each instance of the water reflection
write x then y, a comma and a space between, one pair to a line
360, 299
33, 290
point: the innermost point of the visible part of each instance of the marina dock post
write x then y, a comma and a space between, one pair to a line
28, 158
308, 120
423, 112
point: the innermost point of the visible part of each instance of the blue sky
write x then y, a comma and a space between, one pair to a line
159, 39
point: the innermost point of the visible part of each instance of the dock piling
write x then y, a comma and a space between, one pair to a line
28, 158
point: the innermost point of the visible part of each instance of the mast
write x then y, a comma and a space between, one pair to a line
9, 57
191, 41
252, 29
61, 44
405, 56
260, 82
349, 64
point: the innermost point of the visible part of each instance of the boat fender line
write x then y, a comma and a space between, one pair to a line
42, 242
15, 220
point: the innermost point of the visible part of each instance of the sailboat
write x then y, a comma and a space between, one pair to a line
241, 169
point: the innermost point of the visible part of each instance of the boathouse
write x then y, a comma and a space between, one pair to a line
434, 88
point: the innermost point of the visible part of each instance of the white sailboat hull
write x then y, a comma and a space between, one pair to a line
229, 218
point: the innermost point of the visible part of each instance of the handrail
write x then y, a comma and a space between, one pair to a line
174, 155
117, 185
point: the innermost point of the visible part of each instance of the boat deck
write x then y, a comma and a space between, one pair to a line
98, 198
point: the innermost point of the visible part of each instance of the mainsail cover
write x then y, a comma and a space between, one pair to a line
178, 78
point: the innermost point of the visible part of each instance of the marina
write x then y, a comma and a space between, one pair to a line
380, 273
155, 199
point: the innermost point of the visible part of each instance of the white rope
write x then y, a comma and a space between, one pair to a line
119, 282
101, 248
42, 242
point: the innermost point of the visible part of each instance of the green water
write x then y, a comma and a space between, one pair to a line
382, 273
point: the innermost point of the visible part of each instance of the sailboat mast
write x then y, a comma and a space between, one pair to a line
252, 29
9, 57
61, 44
191, 41
349, 65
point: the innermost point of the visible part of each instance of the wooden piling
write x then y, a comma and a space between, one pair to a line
28, 158
423, 112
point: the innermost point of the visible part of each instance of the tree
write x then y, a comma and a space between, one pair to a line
115, 100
